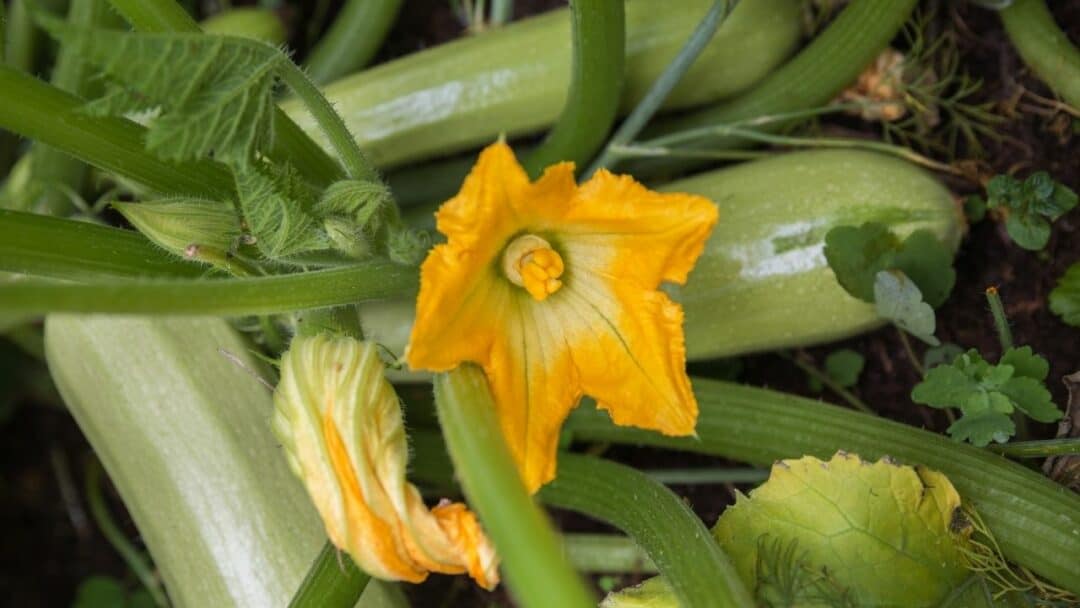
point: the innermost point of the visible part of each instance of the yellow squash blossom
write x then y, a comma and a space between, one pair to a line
552, 288
340, 423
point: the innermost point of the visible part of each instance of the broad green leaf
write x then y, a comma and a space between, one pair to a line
273, 206
214, 93
928, 263
856, 255
1025, 363
981, 428
899, 300
874, 534
844, 367
1029, 231
1065, 298
944, 386
1030, 396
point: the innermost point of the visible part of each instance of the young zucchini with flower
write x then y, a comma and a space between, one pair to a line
553, 289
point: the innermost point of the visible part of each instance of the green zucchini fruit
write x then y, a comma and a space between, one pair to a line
513, 80
763, 282
185, 436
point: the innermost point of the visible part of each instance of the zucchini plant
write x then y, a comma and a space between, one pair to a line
243, 339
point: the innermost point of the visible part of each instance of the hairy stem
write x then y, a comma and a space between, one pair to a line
333, 581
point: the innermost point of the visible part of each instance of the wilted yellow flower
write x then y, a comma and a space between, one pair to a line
553, 289
340, 423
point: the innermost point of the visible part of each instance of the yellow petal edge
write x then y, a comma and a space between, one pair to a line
553, 289
340, 423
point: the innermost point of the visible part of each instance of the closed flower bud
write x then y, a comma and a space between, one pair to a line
341, 426
179, 223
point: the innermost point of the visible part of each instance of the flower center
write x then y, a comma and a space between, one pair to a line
530, 262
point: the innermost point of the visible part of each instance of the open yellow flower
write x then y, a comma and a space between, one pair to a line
340, 423
552, 288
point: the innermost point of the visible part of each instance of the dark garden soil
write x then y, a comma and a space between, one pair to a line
49, 545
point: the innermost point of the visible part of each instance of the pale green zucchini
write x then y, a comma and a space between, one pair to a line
762, 282
513, 80
185, 436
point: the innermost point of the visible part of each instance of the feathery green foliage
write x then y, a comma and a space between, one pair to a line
274, 205
224, 108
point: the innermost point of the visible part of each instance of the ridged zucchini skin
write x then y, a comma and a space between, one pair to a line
185, 436
513, 80
762, 282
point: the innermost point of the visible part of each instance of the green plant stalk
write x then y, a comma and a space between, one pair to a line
353, 39
225, 297
825, 380
707, 476
650, 104
333, 581
606, 553
142, 569
1001, 322
67, 249
832, 60
44, 113
532, 559
1037, 449
290, 142
1036, 521
1044, 47
598, 30
51, 167
659, 521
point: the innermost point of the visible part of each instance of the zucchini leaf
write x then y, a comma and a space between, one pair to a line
212, 94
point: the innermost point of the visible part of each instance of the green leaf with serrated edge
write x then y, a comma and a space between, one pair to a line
929, 264
1032, 232
844, 367
1030, 396
941, 355
856, 255
944, 386
1025, 363
899, 300
981, 428
1065, 298
214, 93
273, 207
879, 533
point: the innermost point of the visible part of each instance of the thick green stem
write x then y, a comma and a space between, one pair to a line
606, 553
333, 581
138, 564
353, 38
532, 558
59, 173
290, 142
1037, 449
68, 249
831, 61
596, 82
1036, 521
671, 76
1044, 47
659, 521
44, 113
356, 166
1001, 322
224, 297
